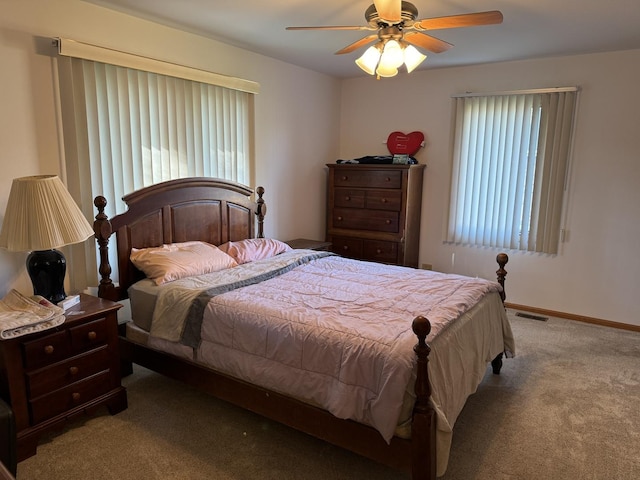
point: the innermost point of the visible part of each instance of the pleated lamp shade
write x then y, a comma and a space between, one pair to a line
41, 216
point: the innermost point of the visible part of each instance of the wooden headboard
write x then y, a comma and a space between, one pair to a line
207, 209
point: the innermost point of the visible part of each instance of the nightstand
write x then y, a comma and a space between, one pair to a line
309, 244
52, 376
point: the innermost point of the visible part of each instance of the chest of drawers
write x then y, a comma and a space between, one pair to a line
373, 212
52, 376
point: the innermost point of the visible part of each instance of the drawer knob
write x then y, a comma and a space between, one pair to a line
347, 198
73, 370
384, 200
48, 349
345, 247
92, 335
339, 219
378, 251
388, 179
344, 178
75, 396
388, 222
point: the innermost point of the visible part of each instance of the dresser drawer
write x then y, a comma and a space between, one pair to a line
371, 199
379, 251
347, 246
384, 200
349, 198
89, 335
48, 379
374, 220
45, 350
68, 397
367, 178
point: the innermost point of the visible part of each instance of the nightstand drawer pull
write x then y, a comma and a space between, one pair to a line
73, 371
48, 349
339, 219
75, 396
92, 335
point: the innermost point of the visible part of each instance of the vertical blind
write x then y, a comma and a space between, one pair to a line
510, 161
125, 128
144, 128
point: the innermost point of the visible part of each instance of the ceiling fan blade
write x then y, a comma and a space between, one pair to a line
356, 45
465, 20
389, 10
427, 42
335, 27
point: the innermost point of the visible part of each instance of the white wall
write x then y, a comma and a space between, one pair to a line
296, 112
595, 273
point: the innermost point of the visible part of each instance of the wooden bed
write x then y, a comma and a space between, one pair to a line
173, 212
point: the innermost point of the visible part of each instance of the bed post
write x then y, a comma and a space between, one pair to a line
261, 211
102, 231
502, 259
423, 426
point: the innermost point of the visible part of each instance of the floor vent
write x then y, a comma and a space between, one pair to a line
531, 316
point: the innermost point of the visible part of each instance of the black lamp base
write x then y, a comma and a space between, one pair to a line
47, 269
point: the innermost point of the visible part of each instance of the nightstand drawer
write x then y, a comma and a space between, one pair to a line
66, 398
89, 335
46, 350
48, 379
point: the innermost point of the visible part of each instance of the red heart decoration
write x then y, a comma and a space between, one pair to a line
404, 144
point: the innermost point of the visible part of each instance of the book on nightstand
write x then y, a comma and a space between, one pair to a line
69, 302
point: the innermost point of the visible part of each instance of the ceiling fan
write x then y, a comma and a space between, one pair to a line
398, 32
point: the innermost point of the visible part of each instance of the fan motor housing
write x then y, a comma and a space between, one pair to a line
407, 17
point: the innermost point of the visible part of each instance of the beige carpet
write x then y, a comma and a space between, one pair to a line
567, 407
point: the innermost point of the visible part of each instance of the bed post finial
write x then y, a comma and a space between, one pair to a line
261, 211
502, 260
102, 231
423, 425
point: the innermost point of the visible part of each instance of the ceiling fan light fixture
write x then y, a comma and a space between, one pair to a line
392, 55
386, 70
369, 60
412, 58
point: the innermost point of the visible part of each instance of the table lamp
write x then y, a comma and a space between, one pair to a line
42, 216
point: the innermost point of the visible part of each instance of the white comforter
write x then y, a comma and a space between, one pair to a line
334, 332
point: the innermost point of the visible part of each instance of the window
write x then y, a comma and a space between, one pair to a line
510, 162
130, 122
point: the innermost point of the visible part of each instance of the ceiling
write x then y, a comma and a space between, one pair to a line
531, 28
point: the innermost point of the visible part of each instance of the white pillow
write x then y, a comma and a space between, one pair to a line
178, 260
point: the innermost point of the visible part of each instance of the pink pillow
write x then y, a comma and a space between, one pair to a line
253, 249
178, 260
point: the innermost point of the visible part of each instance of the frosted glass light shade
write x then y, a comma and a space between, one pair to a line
386, 71
392, 56
412, 58
41, 215
369, 60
